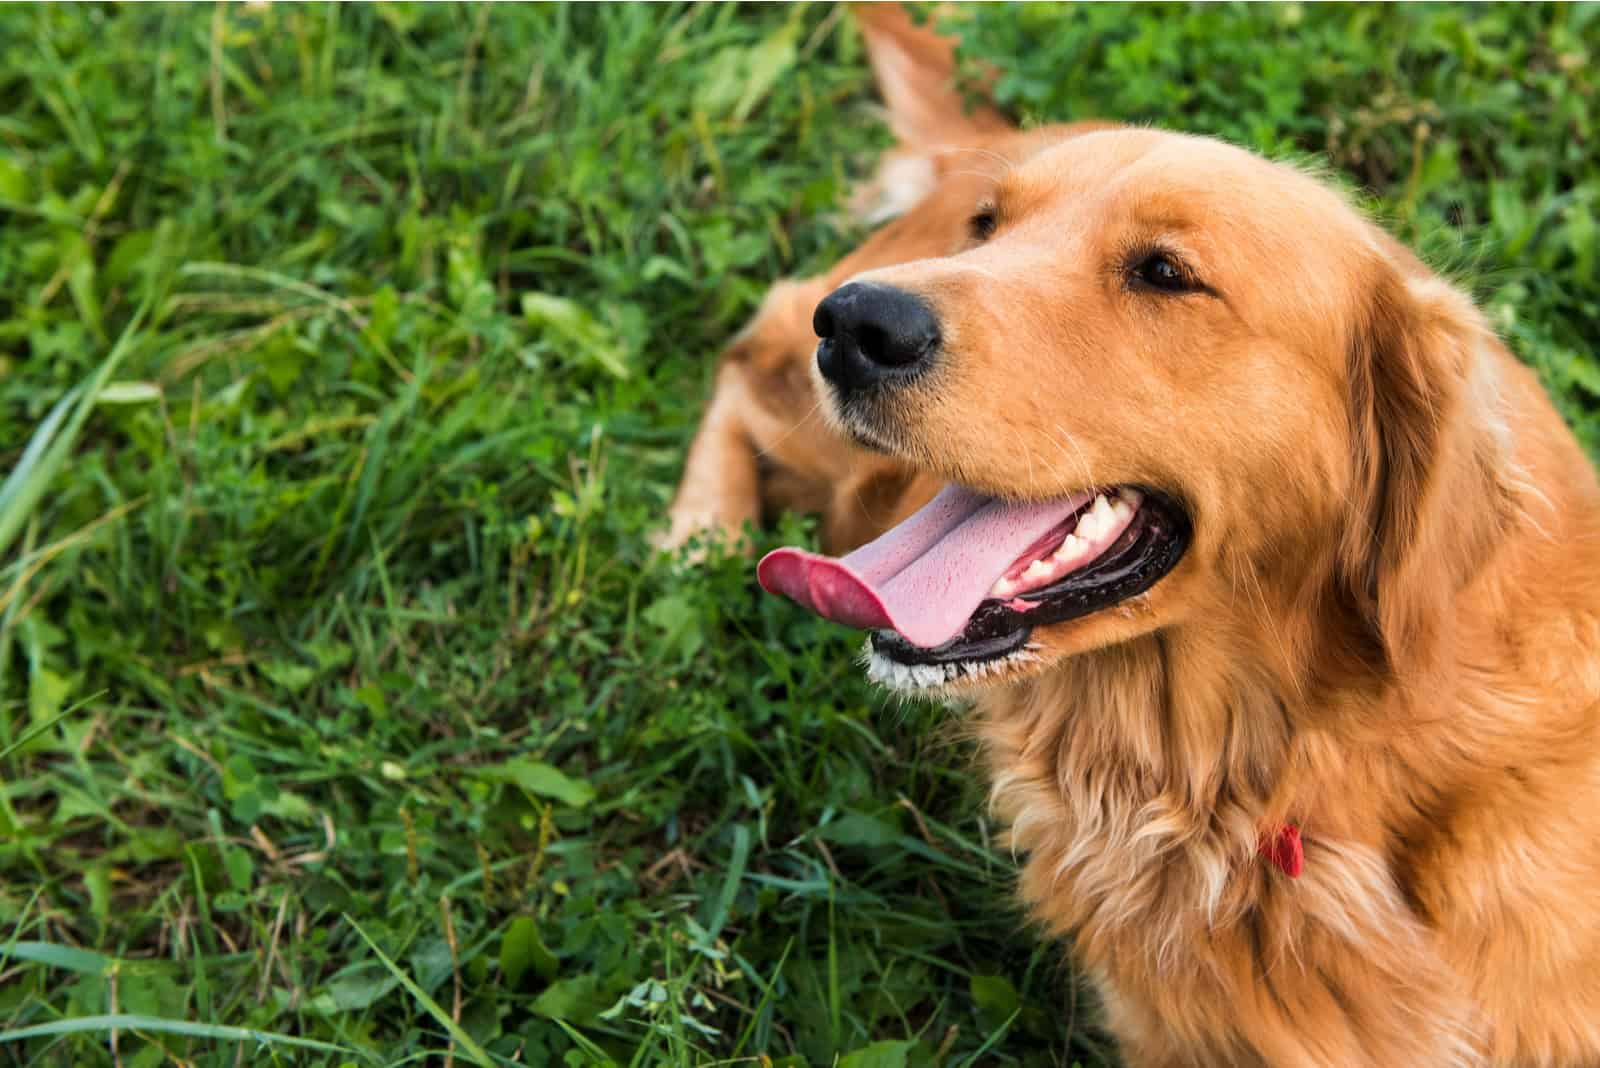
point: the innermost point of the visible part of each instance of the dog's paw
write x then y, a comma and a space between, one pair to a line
691, 535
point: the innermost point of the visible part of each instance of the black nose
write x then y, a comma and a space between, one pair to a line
871, 333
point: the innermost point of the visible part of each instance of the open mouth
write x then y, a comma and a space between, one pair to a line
956, 590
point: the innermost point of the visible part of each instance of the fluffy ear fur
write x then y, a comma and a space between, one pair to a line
915, 70
1430, 495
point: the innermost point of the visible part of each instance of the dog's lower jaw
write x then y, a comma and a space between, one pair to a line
934, 680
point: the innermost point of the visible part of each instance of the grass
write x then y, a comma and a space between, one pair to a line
347, 358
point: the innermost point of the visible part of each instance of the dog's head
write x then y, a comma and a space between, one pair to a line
1171, 384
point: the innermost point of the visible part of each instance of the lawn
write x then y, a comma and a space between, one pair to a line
347, 359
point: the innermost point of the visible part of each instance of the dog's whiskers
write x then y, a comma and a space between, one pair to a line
1084, 469
787, 434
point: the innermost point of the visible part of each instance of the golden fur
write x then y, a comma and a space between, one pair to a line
1385, 630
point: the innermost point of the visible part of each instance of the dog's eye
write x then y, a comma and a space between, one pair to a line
983, 222
1160, 271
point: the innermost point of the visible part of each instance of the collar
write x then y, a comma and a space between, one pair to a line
1283, 847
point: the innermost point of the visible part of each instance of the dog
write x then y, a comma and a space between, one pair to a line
1271, 574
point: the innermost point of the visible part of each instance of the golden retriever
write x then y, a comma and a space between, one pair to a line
1274, 578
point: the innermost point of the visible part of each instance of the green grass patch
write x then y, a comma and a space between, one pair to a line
347, 359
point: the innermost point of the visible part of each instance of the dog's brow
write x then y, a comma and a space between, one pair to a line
1164, 220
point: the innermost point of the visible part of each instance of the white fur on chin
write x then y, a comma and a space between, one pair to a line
925, 679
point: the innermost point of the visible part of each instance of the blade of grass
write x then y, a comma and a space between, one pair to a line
202, 978
37, 730
730, 884
70, 958
38, 445
47, 450
994, 1036
768, 990
457, 1032
835, 1006
583, 1043
126, 1022
22, 921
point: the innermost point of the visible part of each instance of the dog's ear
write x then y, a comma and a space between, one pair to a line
915, 69
1431, 452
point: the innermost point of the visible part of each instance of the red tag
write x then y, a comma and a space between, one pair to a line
1283, 848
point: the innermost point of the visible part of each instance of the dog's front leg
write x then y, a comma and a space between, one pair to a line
720, 491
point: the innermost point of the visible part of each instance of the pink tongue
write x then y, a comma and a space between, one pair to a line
925, 577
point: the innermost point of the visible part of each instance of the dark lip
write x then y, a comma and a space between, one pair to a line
1151, 547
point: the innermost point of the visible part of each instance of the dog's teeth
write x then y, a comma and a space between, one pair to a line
1069, 548
1097, 520
1132, 497
1004, 587
1037, 570
1122, 510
